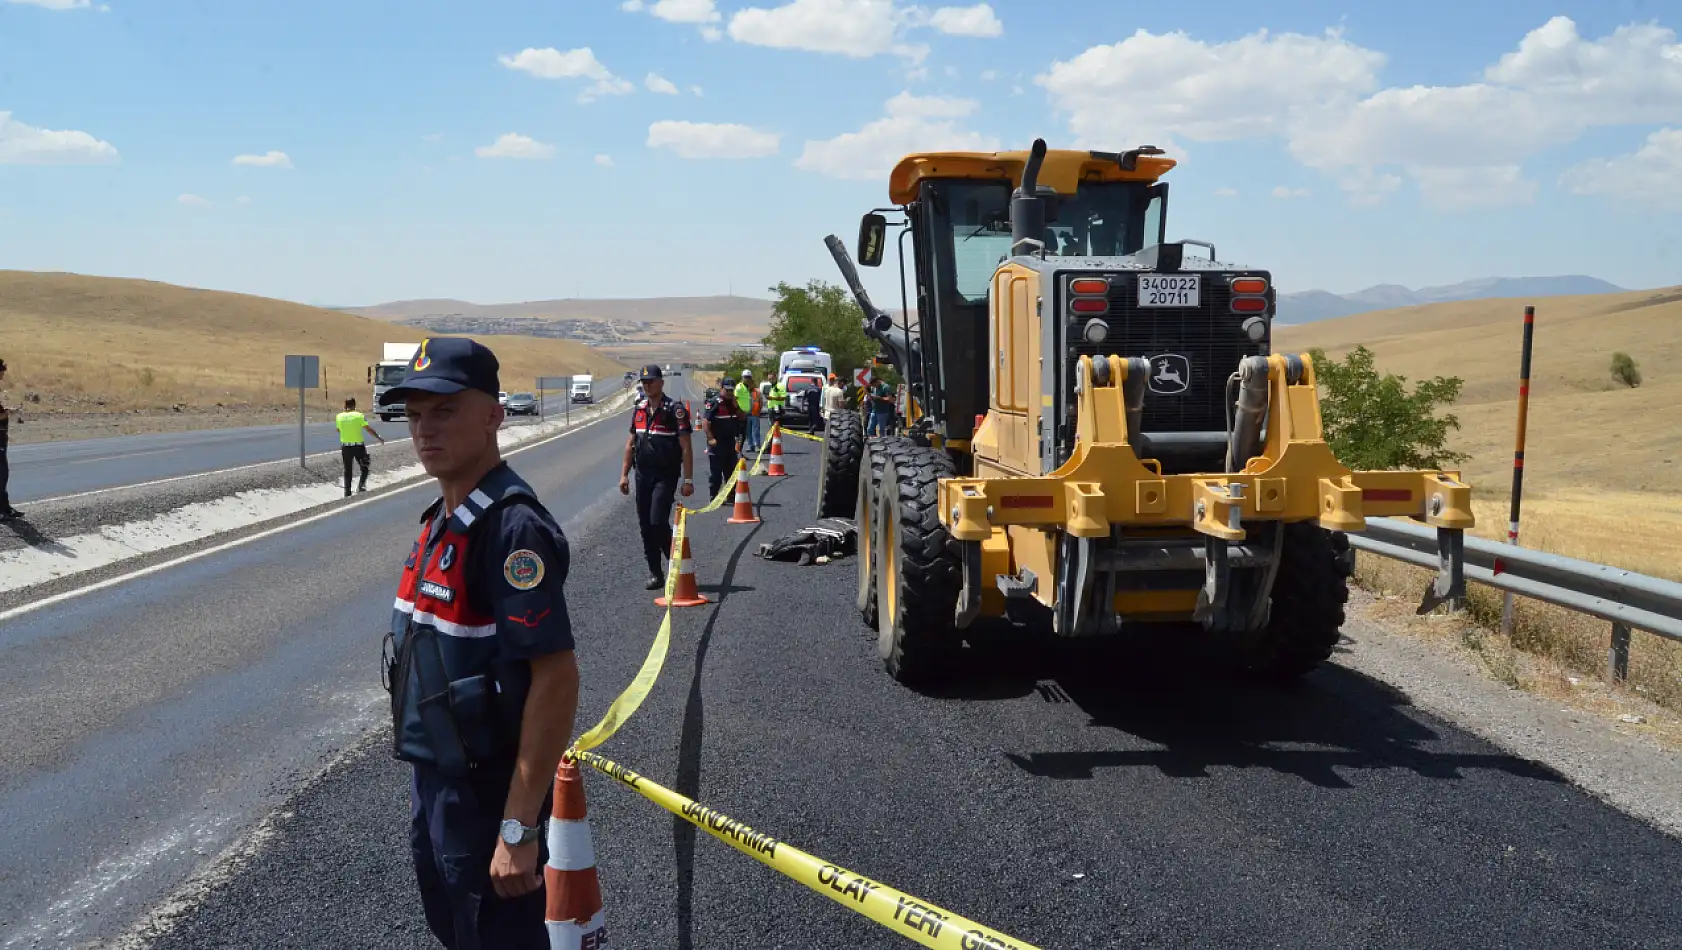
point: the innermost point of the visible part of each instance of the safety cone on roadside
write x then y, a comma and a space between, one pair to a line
573, 911
776, 468
686, 594
743, 512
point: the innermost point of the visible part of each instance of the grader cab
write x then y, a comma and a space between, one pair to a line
1104, 434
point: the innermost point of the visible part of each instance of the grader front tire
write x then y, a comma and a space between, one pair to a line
838, 469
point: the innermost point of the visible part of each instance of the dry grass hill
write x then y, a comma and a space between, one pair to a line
1603, 462
98, 345
661, 329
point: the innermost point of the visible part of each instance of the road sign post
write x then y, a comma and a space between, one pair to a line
563, 382
303, 373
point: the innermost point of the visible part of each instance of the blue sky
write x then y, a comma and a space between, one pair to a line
355, 151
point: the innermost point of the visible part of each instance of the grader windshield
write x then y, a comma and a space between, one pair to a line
1102, 219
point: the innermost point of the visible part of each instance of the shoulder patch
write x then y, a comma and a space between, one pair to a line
449, 558
414, 553
523, 569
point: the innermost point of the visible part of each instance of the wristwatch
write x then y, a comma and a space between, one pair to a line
515, 834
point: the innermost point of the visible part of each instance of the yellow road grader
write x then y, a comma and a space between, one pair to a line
1104, 434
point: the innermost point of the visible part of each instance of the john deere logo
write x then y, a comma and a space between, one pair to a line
1170, 374
422, 361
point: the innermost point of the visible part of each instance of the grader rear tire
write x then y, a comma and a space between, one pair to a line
838, 469
1309, 593
877, 452
918, 574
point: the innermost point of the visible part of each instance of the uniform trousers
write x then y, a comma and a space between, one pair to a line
454, 826
656, 490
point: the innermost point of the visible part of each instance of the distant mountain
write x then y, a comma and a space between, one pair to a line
1307, 306
719, 320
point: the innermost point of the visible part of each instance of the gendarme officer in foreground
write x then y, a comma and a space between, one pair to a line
479, 662
659, 449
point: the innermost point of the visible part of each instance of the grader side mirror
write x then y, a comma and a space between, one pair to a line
873, 238
370, 374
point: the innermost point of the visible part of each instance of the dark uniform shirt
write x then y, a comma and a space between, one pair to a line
724, 418
492, 591
657, 428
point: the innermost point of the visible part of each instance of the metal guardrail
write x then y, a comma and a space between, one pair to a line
1629, 601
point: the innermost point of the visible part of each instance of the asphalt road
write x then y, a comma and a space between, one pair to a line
151, 725
54, 469
1070, 799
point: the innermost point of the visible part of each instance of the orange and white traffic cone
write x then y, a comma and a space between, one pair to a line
685, 594
776, 468
573, 903
743, 512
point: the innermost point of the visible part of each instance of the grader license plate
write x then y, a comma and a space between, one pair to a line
1169, 290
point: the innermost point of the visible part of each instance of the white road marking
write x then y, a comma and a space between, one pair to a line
124, 543
181, 478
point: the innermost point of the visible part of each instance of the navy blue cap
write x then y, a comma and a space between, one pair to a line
448, 365
652, 371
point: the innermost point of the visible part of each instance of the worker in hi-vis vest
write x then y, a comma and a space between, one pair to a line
351, 446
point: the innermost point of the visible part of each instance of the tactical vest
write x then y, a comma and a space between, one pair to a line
455, 703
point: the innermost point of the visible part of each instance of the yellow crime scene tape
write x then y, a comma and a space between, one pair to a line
628, 701
919, 920
803, 435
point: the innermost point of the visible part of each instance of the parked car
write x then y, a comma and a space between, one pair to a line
521, 404
502, 399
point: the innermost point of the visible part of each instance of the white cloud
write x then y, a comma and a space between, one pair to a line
581, 63
912, 124
607, 87
551, 63
1463, 145
433, 137
1283, 191
711, 34
270, 159
967, 21
1227, 192
57, 4
988, 75
1453, 189
1148, 89
1650, 177
22, 144
656, 83
631, 6
710, 140
243, 199
856, 28
696, 90
515, 145
605, 161
192, 200
686, 11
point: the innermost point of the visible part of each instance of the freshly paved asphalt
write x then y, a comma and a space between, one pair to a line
1069, 799
53, 469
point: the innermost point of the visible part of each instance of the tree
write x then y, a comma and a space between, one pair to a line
822, 315
1373, 422
1625, 371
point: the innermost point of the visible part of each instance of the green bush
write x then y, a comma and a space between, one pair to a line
1625, 371
1374, 423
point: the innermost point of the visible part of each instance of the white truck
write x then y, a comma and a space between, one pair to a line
583, 389
393, 365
